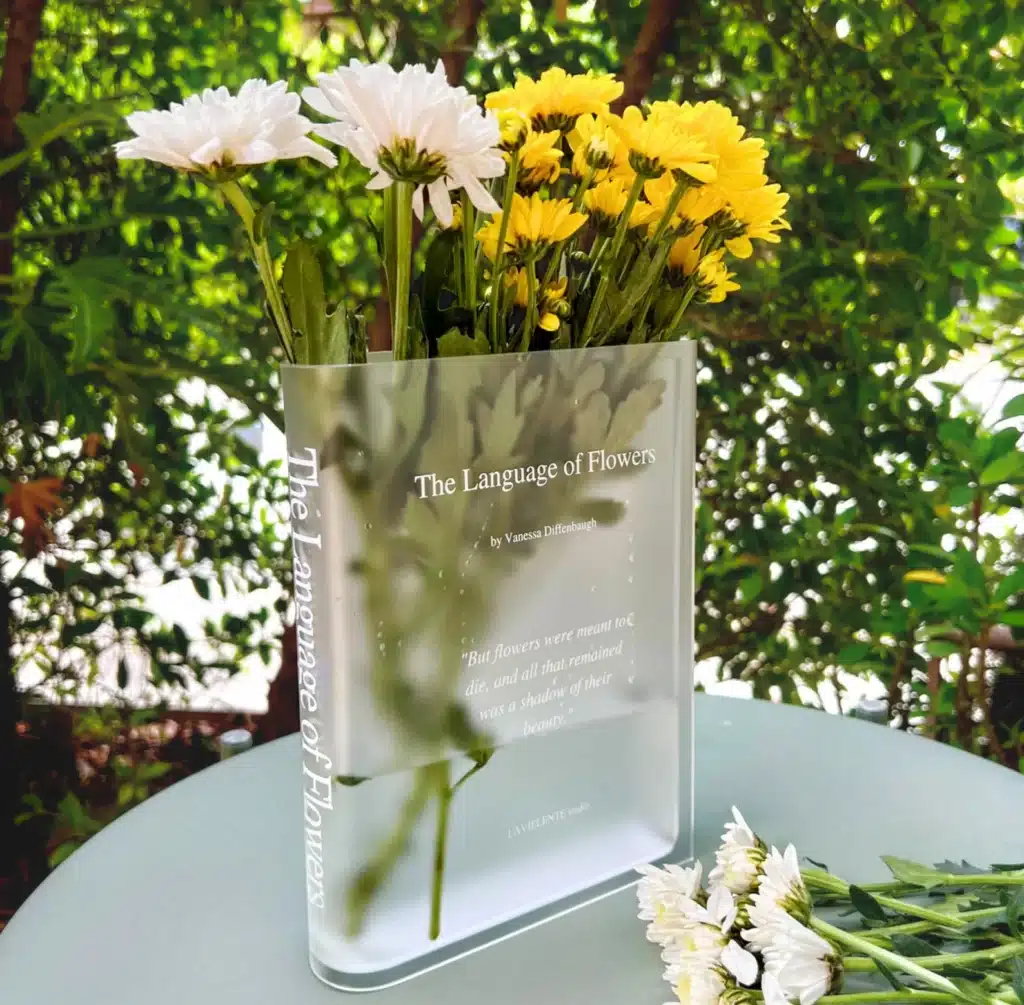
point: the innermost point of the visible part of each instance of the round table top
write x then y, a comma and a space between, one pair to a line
198, 894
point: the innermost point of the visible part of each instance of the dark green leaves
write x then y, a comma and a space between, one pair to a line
1015, 914
866, 905
1006, 468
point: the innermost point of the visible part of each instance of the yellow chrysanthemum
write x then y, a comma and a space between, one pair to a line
739, 159
539, 160
456, 223
594, 144
534, 225
755, 215
606, 200
714, 280
551, 301
558, 99
659, 143
684, 255
698, 204
513, 127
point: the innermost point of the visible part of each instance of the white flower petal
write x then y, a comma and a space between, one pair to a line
261, 123
740, 963
441, 202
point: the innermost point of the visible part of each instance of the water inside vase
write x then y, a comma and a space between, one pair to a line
548, 816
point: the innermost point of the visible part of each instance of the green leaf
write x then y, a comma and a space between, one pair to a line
201, 586
607, 512
890, 976
934, 550
911, 945
925, 632
913, 873
122, 673
1017, 978
853, 653
350, 780
125, 794
750, 587
307, 307
939, 648
454, 343
962, 495
866, 905
1015, 619
1011, 585
1003, 469
1014, 407
1015, 914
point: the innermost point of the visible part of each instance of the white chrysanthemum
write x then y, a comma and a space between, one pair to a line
739, 857
412, 125
782, 886
661, 890
800, 962
217, 129
698, 940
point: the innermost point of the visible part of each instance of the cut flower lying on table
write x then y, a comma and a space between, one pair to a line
758, 932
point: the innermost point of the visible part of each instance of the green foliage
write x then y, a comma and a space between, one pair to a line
826, 472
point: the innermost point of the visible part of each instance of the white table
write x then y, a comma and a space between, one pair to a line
197, 896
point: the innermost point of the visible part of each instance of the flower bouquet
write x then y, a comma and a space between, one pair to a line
491, 523
767, 931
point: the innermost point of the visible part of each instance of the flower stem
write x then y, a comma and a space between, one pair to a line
941, 960
617, 242
913, 967
238, 200
914, 927
577, 201
531, 306
677, 318
400, 344
670, 207
498, 279
469, 251
834, 884
642, 290
867, 997
444, 802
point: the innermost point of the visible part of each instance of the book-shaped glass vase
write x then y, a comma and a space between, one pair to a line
493, 602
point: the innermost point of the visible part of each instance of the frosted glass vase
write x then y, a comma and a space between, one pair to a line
493, 586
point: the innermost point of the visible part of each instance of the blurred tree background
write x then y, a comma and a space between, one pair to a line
853, 519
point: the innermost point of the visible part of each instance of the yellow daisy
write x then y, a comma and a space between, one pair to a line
755, 215
607, 199
739, 159
534, 225
698, 204
684, 255
557, 99
714, 280
513, 127
594, 144
551, 301
659, 143
539, 160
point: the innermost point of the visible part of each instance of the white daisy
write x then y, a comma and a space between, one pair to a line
699, 939
782, 886
216, 129
661, 889
802, 963
412, 125
739, 857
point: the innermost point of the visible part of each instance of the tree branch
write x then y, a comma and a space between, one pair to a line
463, 23
640, 65
24, 23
